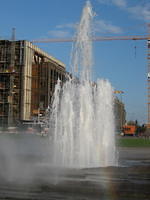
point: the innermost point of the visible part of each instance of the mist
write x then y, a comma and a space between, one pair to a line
22, 157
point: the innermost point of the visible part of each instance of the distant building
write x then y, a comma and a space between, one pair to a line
120, 114
27, 80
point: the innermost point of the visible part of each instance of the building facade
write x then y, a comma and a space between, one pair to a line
120, 114
27, 80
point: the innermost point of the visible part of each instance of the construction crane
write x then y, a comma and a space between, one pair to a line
98, 38
137, 37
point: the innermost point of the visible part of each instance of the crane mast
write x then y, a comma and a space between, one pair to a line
148, 83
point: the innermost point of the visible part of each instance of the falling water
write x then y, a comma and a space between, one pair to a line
82, 119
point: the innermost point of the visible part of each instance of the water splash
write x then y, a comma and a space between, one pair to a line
82, 51
82, 119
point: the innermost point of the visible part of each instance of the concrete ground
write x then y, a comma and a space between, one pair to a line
134, 153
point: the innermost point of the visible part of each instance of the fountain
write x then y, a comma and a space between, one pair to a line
82, 135
82, 118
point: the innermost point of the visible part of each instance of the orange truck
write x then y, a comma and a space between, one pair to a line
129, 130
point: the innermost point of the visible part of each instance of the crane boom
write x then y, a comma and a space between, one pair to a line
98, 38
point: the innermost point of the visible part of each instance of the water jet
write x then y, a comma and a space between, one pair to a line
82, 118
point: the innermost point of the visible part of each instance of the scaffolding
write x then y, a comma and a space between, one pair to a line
9, 82
27, 80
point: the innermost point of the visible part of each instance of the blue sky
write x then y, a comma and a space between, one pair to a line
123, 63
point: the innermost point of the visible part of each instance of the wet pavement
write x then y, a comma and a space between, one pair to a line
30, 177
112, 183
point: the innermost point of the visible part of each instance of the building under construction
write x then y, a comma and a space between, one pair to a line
120, 114
27, 79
